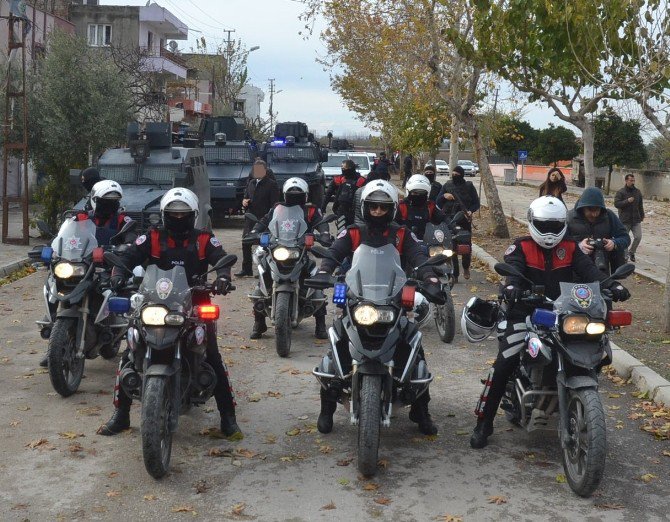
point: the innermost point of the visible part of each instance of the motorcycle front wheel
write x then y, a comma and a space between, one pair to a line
65, 368
155, 427
283, 324
369, 423
445, 319
584, 455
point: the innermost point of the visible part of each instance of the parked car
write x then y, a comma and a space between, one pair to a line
333, 167
362, 161
469, 167
441, 166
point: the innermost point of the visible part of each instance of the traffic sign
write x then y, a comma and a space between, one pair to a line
523, 155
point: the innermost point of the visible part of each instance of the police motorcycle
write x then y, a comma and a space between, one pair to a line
282, 256
167, 368
438, 240
375, 296
565, 348
78, 323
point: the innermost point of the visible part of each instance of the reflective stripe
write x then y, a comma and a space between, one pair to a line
513, 350
515, 338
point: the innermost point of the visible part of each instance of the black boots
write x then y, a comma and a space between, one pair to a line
44, 361
230, 428
419, 413
481, 433
259, 328
120, 421
320, 329
328, 407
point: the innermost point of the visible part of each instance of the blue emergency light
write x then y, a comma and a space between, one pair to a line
118, 305
340, 294
265, 239
47, 253
542, 317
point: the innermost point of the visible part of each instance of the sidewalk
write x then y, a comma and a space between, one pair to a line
652, 255
14, 257
626, 366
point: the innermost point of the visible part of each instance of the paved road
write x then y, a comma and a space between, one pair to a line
652, 255
280, 477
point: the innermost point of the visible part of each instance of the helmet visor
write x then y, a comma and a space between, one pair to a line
549, 227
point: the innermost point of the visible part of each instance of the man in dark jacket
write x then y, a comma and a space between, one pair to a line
407, 168
631, 212
261, 195
342, 190
381, 169
591, 220
89, 177
435, 187
458, 194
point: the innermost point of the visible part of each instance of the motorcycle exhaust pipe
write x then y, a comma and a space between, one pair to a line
130, 379
206, 379
45, 332
259, 306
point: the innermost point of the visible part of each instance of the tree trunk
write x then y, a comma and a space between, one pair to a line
666, 301
495, 207
609, 179
453, 147
589, 168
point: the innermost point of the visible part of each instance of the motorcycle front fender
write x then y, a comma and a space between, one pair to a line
160, 370
161, 337
578, 382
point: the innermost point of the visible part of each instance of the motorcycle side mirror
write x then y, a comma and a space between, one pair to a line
439, 259
224, 262
115, 260
458, 217
623, 271
326, 219
508, 270
322, 252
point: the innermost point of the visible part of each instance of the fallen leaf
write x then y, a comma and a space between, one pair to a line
647, 477
14, 423
303, 417
614, 395
212, 433
328, 506
37, 443
99, 509
610, 506
238, 509
384, 501
666, 453
560, 478
113, 474
219, 452
254, 397
370, 486
70, 435
23, 408
497, 499
75, 447
274, 394
184, 509
247, 454
293, 432
343, 482
201, 486
270, 439
383, 463
18, 507
344, 462
450, 518
113, 493
149, 498
325, 449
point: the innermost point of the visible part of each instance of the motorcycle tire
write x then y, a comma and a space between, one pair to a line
445, 319
155, 426
369, 424
584, 456
283, 324
65, 368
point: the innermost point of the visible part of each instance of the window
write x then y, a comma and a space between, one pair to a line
99, 35
238, 106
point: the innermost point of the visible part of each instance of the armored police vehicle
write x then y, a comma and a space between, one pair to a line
230, 153
148, 167
294, 152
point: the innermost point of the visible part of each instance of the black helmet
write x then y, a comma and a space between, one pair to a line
90, 177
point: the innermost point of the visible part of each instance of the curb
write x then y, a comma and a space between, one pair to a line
7, 270
627, 366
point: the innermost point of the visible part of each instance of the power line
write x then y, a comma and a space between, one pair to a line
198, 22
204, 12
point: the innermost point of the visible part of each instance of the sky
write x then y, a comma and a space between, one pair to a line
303, 91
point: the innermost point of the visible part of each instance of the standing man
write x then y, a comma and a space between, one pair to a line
631, 212
381, 168
407, 168
435, 187
458, 194
261, 195
342, 190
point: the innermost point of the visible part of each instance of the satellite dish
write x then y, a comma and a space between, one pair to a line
173, 46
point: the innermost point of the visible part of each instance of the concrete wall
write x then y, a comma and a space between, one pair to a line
124, 20
652, 184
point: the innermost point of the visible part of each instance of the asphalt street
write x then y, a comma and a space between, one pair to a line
54, 466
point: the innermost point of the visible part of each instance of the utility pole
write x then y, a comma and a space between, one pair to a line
225, 80
272, 93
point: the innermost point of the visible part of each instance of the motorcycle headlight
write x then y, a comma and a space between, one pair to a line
67, 270
580, 325
283, 253
438, 250
366, 315
154, 315
595, 328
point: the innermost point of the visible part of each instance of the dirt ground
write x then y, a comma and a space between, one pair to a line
644, 339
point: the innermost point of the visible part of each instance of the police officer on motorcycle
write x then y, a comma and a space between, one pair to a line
296, 192
105, 202
179, 243
416, 209
343, 190
379, 202
546, 258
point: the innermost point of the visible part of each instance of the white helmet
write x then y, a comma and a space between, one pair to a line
418, 182
106, 189
295, 191
179, 211
547, 221
382, 192
479, 319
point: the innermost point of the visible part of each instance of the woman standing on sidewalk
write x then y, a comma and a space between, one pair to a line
554, 185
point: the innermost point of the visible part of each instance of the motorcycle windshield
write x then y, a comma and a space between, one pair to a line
167, 287
287, 224
75, 239
437, 235
376, 274
584, 298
